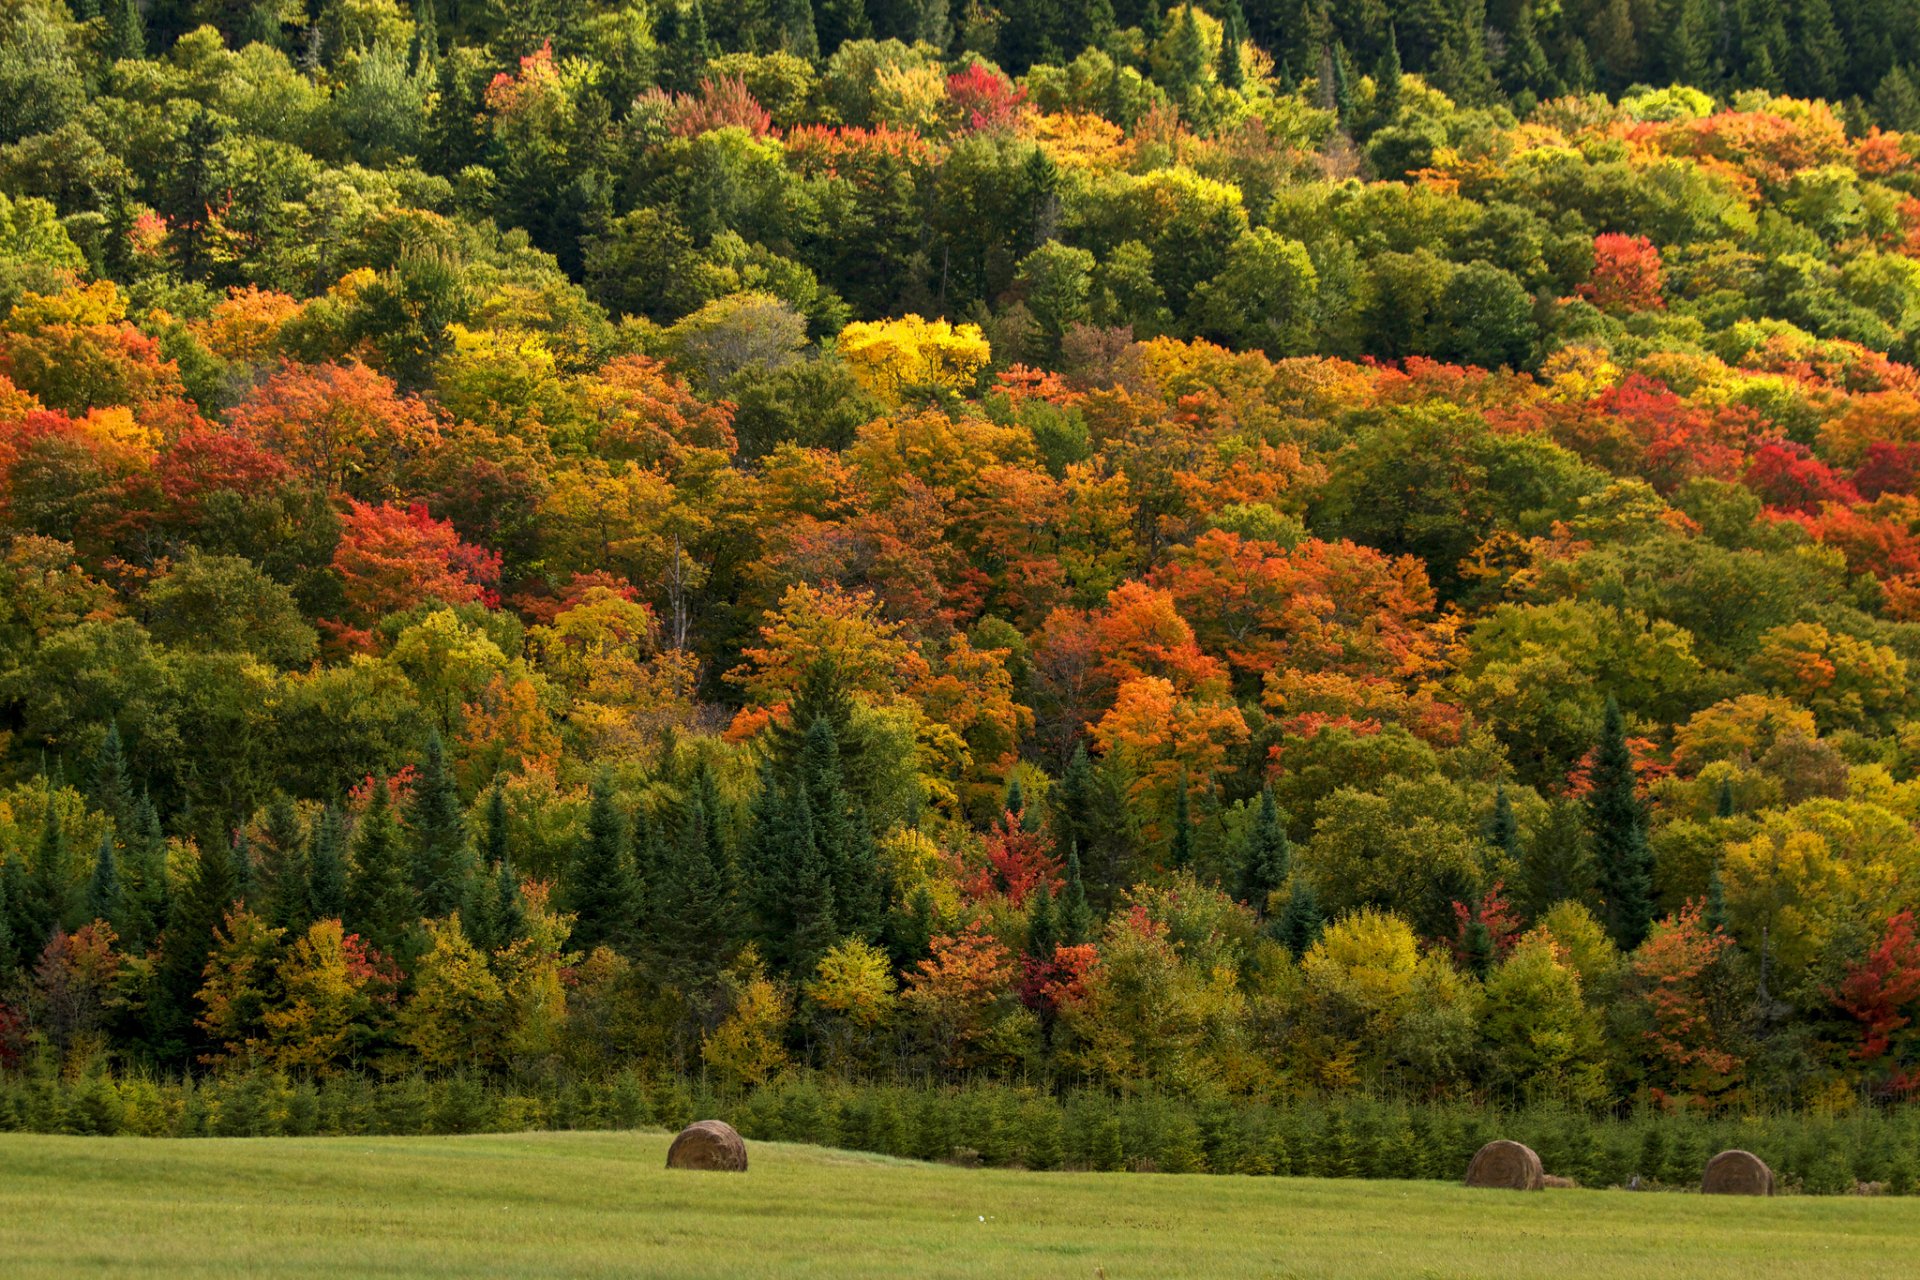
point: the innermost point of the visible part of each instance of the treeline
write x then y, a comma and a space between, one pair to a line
1000, 1125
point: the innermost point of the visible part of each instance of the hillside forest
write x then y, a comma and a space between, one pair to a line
1248, 550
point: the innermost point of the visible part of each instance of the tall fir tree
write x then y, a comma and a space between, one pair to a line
1180, 845
694, 931
327, 867
1299, 926
1723, 799
842, 840
126, 30
110, 788
1075, 917
1503, 830
441, 861
1618, 823
144, 875
200, 908
797, 34
240, 849
281, 869
601, 889
495, 840
105, 897
1233, 34
1265, 855
381, 904
1043, 931
1896, 101
50, 904
816, 922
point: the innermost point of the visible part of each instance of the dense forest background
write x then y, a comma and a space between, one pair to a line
1237, 552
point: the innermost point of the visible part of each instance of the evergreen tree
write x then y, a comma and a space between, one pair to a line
494, 841
109, 788
282, 869
1619, 827
327, 867
1896, 102
842, 841
12, 890
240, 849
1187, 61
381, 904
602, 891
1299, 926
1180, 847
815, 923
499, 911
1386, 79
1233, 34
1043, 934
425, 53
441, 861
1524, 68
1819, 52
1265, 856
105, 901
694, 930
144, 873
126, 30
50, 900
1075, 916
1723, 800
1715, 915
1504, 831
200, 909
1342, 71
1557, 865
798, 35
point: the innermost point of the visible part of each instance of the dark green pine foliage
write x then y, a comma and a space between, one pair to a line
1618, 823
1265, 855
240, 849
1386, 81
1090, 812
1342, 71
144, 875
1503, 832
1723, 800
12, 890
1524, 68
495, 843
110, 789
441, 861
50, 901
1819, 56
126, 29
1043, 931
1075, 918
1715, 915
823, 695
1478, 946
1557, 864
1187, 65
1298, 927
1896, 101
424, 56
281, 869
106, 899
200, 908
327, 867
798, 35
381, 905
602, 892
909, 936
816, 923
1180, 847
842, 841
498, 915
1233, 33
694, 928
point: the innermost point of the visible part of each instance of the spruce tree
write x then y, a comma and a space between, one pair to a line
440, 859
1504, 831
105, 899
1265, 855
601, 890
1386, 79
1299, 926
126, 30
424, 56
51, 891
694, 929
110, 789
1233, 33
794, 18
499, 912
494, 840
240, 849
1557, 864
381, 904
1618, 824
282, 869
12, 885
144, 873
1075, 919
816, 925
841, 838
1180, 847
1187, 62
1043, 933
1896, 101
1723, 800
201, 908
327, 867
1715, 915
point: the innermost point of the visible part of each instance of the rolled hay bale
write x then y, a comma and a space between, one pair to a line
1737, 1173
1508, 1166
1554, 1182
708, 1144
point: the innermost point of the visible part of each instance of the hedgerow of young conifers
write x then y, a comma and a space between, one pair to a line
1005, 1125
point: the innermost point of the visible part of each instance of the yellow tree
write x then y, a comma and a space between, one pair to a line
455, 1016
896, 359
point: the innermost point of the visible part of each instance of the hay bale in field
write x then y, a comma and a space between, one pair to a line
708, 1144
1737, 1173
1553, 1182
1509, 1166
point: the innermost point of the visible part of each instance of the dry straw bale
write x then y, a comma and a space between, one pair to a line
1510, 1166
1737, 1173
708, 1144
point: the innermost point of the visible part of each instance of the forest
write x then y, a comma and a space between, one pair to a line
1233, 552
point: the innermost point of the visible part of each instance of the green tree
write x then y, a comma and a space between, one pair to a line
1618, 823
282, 871
327, 867
1265, 856
601, 887
105, 898
381, 904
441, 859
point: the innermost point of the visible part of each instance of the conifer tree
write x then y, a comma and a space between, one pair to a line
424, 56
1075, 916
145, 891
1386, 79
494, 840
281, 869
602, 891
126, 30
694, 927
50, 902
1715, 915
1265, 855
1504, 831
110, 789
105, 899
200, 908
1723, 800
798, 36
1187, 63
1233, 34
1618, 823
1896, 101
1300, 924
240, 849
841, 839
381, 904
438, 827
327, 867
1043, 934
499, 912
1180, 847
816, 925
12, 887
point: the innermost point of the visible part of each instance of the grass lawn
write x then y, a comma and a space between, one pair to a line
601, 1204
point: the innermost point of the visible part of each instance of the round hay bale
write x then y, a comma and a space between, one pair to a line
1509, 1166
708, 1144
1553, 1182
1737, 1173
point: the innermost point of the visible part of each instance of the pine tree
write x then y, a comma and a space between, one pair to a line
1187, 62
1619, 827
282, 869
1715, 915
1043, 934
126, 30
144, 872
1819, 50
1299, 926
1266, 856
1896, 102
105, 901
499, 912
440, 862
240, 849
1233, 34
327, 867
842, 840
602, 891
1503, 831
12, 889
1558, 864
798, 36
200, 909
494, 841
381, 905
1386, 79
1180, 847
425, 53
694, 930
1524, 68
109, 788
1075, 916
816, 925
1342, 71
50, 900
1723, 800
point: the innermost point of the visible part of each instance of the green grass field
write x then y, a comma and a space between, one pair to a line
600, 1204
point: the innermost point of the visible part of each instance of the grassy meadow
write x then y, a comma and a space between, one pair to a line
601, 1204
